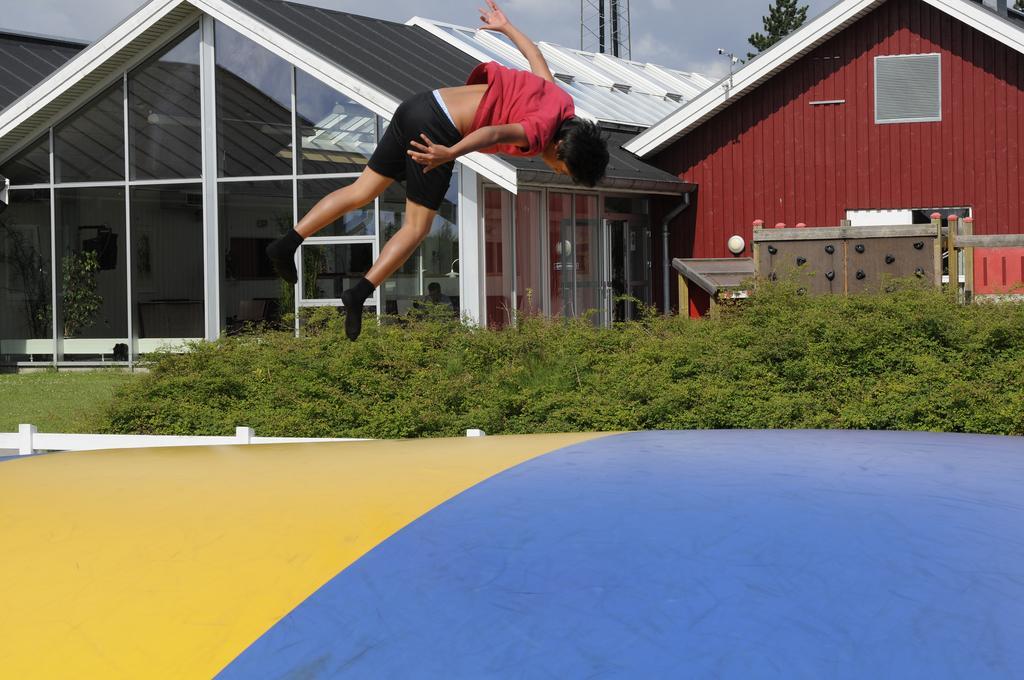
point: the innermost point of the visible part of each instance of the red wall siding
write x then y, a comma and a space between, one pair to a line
774, 157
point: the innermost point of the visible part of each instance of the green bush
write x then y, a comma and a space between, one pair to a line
907, 360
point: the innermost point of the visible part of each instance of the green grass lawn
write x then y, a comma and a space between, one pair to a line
58, 402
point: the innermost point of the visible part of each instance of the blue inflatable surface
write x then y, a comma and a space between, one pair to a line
734, 554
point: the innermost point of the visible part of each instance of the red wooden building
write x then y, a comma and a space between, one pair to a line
904, 106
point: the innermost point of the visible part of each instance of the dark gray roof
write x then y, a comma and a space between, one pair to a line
404, 60
26, 59
625, 171
397, 59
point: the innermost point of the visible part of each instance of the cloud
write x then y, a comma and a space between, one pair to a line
664, 5
646, 47
710, 68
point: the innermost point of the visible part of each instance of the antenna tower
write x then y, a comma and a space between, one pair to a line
604, 27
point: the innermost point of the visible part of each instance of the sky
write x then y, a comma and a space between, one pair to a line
677, 33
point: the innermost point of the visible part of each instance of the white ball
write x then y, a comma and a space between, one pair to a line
737, 244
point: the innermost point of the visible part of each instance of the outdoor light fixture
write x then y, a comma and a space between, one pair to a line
5, 185
452, 274
736, 244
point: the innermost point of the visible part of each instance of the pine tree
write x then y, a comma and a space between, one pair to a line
784, 17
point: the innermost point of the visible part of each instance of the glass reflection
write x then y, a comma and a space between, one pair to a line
587, 251
31, 166
90, 146
434, 262
254, 126
92, 284
329, 269
163, 113
336, 134
167, 262
252, 215
26, 324
498, 257
356, 223
561, 272
529, 275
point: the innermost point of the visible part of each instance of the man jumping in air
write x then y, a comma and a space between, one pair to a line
498, 110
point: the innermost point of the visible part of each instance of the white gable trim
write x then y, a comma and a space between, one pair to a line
331, 74
839, 17
327, 72
83, 63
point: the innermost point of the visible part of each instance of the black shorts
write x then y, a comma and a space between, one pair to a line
419, 115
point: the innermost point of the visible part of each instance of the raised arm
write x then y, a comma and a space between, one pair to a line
495, 20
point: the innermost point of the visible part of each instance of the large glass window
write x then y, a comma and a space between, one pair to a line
92, 283
498, 257
254, 120
167, 262
31, 166
26, 321
587, 252
440, 252
329, 269
335, 133
164, 125
432, 272
529, 262
359, 222
90, 146
561, 271
252, 215
402, 287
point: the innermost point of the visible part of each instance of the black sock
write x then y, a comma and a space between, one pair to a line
354, 298
282, 255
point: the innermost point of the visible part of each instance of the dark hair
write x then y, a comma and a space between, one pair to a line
584, 150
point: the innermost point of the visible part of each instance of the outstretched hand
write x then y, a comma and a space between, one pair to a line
495, 20
430, 155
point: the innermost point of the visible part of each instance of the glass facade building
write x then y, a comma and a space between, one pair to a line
138, 219
106, 246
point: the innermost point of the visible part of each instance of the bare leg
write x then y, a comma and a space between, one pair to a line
335, 204
403, 244
367, 187
392, 256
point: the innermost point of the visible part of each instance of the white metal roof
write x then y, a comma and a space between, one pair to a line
835, 19
604, 87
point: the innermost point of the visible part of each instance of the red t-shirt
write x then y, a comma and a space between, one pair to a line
515, 96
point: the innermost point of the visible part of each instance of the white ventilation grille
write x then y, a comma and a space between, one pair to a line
908, 88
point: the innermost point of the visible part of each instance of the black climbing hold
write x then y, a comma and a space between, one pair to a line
889, 259
859, 248
800, 261
830, 249
772, 250
918, 245
919, 272
830, 275
860, 274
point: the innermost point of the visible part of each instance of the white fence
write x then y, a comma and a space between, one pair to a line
28, 440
